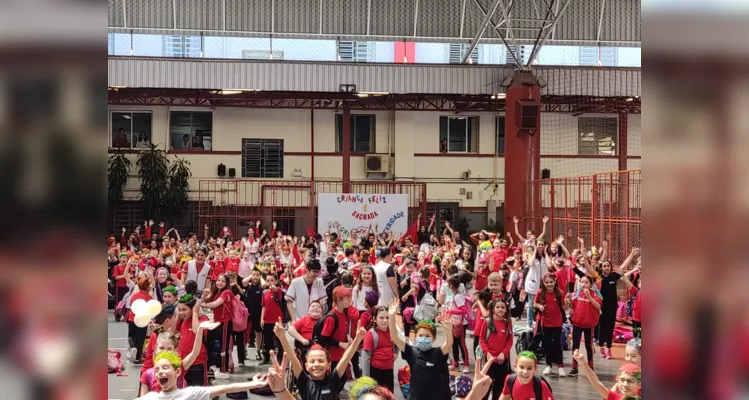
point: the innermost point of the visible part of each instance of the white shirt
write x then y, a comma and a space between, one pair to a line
323, 250
358, 296
386, 292
445, 290
533, 279
199, 278
302, 297
251, 248
188, 393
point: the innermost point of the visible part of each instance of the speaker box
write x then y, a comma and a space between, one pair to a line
221, 170
232, 172
545, 173
528, 114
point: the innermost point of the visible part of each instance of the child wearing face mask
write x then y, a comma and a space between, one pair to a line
429, 374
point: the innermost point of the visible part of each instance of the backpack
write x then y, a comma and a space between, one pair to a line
470, 316
537, 388
566, 333
427, 309
404, 380
284, 310
239, 315
376, 342
317, 337
461, 385
622, 334
114, 362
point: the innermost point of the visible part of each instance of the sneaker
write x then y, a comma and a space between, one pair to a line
221, 375
573, 372
603, 352
131, 355
466, 370
562, 373
451, 367
547, 370
608, 354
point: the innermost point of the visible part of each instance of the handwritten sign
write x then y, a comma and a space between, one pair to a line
349, 212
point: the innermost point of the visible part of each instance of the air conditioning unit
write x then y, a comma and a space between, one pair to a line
376, 163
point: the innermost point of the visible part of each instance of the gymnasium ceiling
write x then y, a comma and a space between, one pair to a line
511, 22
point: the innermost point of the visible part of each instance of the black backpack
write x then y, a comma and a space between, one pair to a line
537, 389
317, 337
527, 341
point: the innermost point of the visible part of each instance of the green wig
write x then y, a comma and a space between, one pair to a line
170, 356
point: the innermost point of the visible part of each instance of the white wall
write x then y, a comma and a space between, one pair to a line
415, 133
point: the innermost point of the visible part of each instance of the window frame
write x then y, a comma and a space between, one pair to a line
110, 140
497, 135
597, 136
264, 155
192, 131
339, 135
474, 143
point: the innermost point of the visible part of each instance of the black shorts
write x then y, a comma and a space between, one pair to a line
257, 326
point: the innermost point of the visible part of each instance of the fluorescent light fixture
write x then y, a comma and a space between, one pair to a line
376, 93
126, 116
230, 91
496, 96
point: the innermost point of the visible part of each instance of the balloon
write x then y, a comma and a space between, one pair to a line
138, 307
153, 308
141, 321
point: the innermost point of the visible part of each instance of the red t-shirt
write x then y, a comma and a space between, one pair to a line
232, 265
562, 277
341, 333
584, 313
383, 356
365, 319
272, 310
637, 305
187, 339
482, 277
305, 326
499, 342
217, 268
552, 315
148, 355
614, 396
526, 392
500, 256
222, 313
117, 271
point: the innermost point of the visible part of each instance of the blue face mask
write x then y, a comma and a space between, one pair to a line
424, 343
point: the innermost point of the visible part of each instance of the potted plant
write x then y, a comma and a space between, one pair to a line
153, 170
118, 169
179, 186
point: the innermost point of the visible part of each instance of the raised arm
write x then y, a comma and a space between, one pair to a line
392, 311
257, 381
447, 324
193, 355
296, 365
515, 220
545, 219
599, 387
634, 253
340, 369
560, 243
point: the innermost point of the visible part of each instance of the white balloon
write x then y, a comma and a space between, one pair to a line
141, 321
153, 308
138, 307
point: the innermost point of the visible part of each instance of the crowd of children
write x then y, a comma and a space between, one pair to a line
366, 300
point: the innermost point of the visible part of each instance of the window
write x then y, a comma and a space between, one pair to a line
110, 43
190, 130
459, 134
262, 54
455, 53
355, 51
262, 158
362, 133
500, 134
519, 53
131, 129
597, 136
182, 46
592, 55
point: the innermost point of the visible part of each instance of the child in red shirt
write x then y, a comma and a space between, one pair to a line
637, 304
585, 313
495, 337
523, 380
549, 301
222, 310
273, 299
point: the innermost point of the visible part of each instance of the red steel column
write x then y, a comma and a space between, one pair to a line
312, 187
522, 155
346, 147
622, 148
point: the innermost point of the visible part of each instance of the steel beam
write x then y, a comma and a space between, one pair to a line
480, 32
600, 20
546, 33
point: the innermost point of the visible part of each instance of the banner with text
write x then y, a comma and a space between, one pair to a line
389, 212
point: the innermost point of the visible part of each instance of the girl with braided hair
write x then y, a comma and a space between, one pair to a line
495, 337
190, 318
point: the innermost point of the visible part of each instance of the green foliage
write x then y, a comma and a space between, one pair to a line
118, 168
179, 186
153, 170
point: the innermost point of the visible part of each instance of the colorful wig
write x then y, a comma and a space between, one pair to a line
170, 356
367, 385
